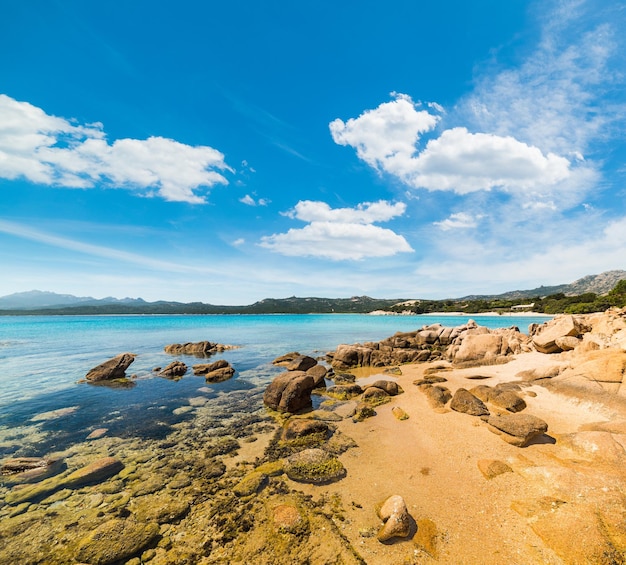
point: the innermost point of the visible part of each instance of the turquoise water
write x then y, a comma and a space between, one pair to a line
43, 357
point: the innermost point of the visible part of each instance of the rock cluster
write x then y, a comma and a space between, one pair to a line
291, 391
466, 344
198, 349
216, 372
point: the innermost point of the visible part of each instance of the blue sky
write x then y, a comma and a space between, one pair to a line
228, 152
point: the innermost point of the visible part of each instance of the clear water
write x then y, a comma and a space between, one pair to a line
43, 357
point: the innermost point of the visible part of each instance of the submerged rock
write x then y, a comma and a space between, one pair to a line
114, 368
116, 540
29, 469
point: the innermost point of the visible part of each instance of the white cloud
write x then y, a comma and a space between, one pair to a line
341, 233
250, 201
459, 220
49, 150
386, 137
459, 161
366, 213
467, 162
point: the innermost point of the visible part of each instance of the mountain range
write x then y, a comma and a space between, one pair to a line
37, 301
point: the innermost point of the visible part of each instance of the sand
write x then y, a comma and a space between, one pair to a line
431, 460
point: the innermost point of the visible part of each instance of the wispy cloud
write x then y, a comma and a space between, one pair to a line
251, 201
341, 233
25, 232
49, 150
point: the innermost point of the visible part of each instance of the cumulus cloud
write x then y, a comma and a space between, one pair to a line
387, 137
49, 150
341, 233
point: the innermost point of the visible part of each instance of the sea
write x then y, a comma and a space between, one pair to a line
44, 406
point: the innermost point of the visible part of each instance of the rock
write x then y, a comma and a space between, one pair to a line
216, 372
295, 428
399, 413
97, 433
344, 392
464, 401
289, 392
483, 392
174, 370
114, 368
395, 515
198, 349
438, 396
285, 359
29, 469
314, 466
483, 347
547, 334
95, 472
395, 371
375, 396
287, 519
508, 400
517, 429
301, 363
363, 411
491, 468
567, 342
390, 387
318, 372
344, 378
116, 540
250, 484
163, 508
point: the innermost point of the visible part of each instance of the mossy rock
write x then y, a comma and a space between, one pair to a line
375, 396
314, 466
272, 468
399, 413
250, 484
363, 411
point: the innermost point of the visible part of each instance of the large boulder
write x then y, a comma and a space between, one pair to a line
483, 347
301, 363
289, 392
546, 336
464, 401
114, 368
517, 429
348, 356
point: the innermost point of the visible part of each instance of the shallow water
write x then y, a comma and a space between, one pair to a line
43, 408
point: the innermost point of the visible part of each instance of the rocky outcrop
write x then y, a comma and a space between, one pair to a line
465, 344
546, 336
114, 368
198, 349
214, 372
174, 370
289, 392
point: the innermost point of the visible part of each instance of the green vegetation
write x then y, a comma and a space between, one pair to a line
557, 303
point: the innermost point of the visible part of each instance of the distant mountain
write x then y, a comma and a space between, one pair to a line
40, 302
598, 284
36, 299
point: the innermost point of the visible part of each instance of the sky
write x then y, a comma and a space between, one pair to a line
226, 152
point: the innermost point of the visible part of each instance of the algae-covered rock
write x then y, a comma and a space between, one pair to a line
250, 484
288, 519
399, 413
465, 402
314, 466
375, 396
116, 540
363, 411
